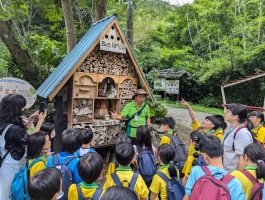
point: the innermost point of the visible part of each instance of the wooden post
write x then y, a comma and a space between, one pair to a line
223, 96
264, 104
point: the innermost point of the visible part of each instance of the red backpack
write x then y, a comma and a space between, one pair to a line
256, 193
207, 187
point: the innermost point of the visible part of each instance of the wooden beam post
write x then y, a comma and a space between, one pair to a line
223, 96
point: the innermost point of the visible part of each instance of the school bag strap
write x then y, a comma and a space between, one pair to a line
8, 151
249, 176
35, 161
226, 179
117, 181
95, 196
56, 160
163, 176
237, 130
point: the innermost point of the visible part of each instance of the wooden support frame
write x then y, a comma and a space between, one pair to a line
248, 78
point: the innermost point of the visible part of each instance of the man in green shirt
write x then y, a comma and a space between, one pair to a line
131, 109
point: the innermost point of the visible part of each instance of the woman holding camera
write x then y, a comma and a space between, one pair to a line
13, 138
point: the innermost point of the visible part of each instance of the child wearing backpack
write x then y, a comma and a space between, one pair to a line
46, 185
113, 165
212, 182
254, 172
145, 154
124, 175
166, 174
87, 135
168, 124
89, 167
37, 144
66, 160
195, 137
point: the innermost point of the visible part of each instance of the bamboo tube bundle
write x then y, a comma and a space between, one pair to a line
82, 110
99, 135
103, 62
127, 89
113, 134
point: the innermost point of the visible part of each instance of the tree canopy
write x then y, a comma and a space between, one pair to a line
216, 41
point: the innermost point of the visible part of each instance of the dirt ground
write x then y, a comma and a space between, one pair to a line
183, 128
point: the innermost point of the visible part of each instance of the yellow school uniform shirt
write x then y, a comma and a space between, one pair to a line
125, 174
158, 185
165, 139
111, 169
259, 133
246, 183
38, 166
188, 165
87, 190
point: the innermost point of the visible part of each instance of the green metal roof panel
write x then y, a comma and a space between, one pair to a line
49, 85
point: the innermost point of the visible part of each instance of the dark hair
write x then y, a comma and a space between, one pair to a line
45, 184
47, 127
241, 111
196, 137
36, 142
87, 135
124, 153
256, 153
71, 140
223, 124
119, 193
90, 166
167, 154
123, 139
216, 122
143, 138
211, 145
258, 114
11, 109
169, 121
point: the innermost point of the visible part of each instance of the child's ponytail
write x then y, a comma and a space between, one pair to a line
173, 171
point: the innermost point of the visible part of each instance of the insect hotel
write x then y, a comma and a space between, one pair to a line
99, 75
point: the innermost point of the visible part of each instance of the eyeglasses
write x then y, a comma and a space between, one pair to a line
60, 195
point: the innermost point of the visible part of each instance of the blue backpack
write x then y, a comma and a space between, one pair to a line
77, 153
67, 177
95, 196
175, 189
19, 186
147, 165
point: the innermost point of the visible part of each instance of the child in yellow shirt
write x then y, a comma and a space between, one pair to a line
124, 175
211, 125
254, 161
89, 168
37, 144
257, 119
166, 154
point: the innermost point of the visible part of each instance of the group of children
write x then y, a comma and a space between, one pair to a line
82, 165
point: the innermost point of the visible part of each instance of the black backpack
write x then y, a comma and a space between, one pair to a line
67, 177
95, 196
179, 146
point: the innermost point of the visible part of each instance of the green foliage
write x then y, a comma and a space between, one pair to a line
158, 111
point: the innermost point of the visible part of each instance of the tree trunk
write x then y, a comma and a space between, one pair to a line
102, 9
19, 56
130, 18
69, 24
94, 11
